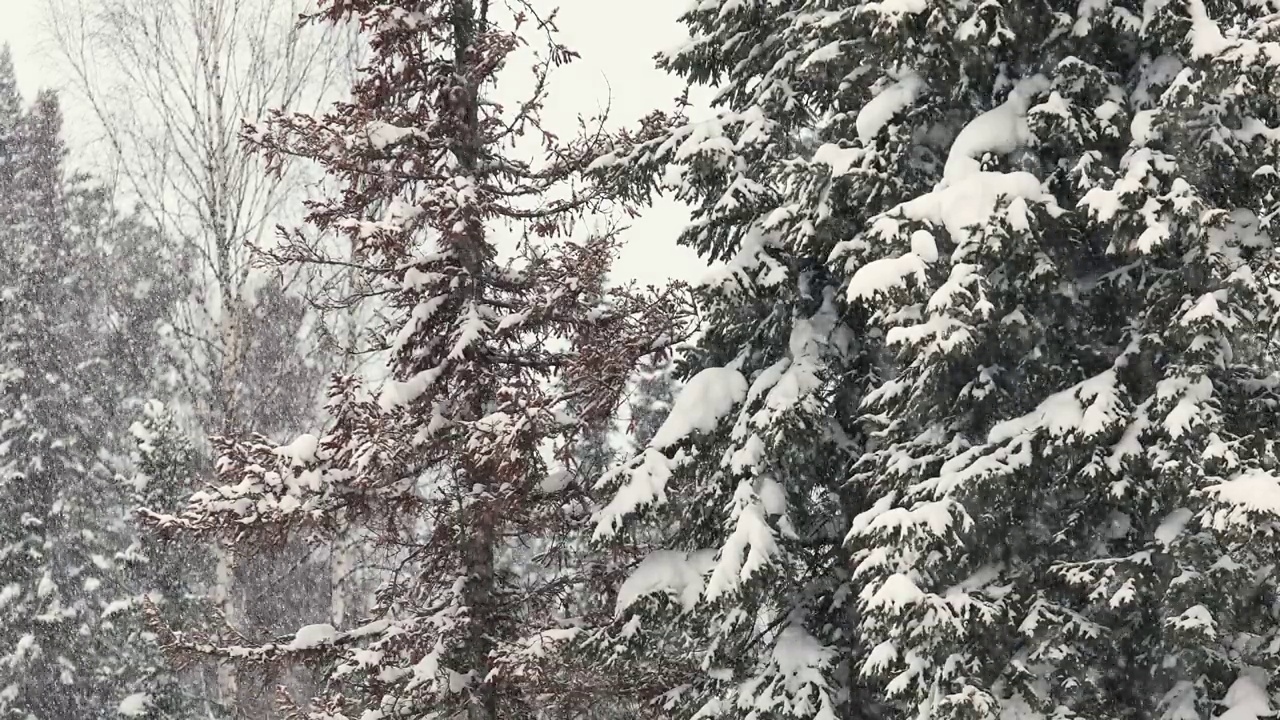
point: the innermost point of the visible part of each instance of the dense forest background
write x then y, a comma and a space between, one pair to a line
325, 392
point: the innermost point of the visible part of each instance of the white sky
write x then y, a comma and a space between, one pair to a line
620, 61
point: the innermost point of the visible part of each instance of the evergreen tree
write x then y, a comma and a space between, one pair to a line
738, 601
160, 580
279, 386
586, 689
53, 482
74, 326
10, 116
1076, 443
145, 580
1055, 218
497, 368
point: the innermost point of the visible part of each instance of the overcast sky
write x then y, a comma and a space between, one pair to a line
617, 41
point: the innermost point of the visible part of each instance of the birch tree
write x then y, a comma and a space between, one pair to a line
170, 82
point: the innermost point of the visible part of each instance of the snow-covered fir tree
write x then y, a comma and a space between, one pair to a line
10, 115
459, 459
157, 581
77, 328
591, 573
52, 480
734, 509
1061, 498
1075, 449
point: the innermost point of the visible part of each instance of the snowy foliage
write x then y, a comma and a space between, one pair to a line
746, 474
1076, 422
1005, 318
464, 457
979, 423
78, 328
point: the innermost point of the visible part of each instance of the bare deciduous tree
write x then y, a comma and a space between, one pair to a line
171, 82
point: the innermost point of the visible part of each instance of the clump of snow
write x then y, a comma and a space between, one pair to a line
772, 496
1155, 74
895, 593
1107, 110
377, 627
894, 9
751, 259
888, 102
702, 403
399, 394
1206, 307
1247, 698
1001, 130
606, 160
426, 671
1195, 394
841, 160
971, 202
313, 636
26, 644
1253, 491
644, 481
1195, 618
1142, 127
1124, 595
134, 705
825, 54
748, 548
935, 517
885, 274
707, 138
671, 572
799, 667
116, 606
880, 658
1172, 526
301, 451
555, 481
1205, 35
863, 520
800, 376
1180, 702
1088, 408
799, 656
1242, 229
924, 246
1055, 105
382, 135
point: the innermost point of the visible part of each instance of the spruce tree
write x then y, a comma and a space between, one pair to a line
1076, 444
498, 366
586, 688
734, 510
77, 326
156, 580
10, 116
133, 292
1055, 218
655, 389
53, 480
